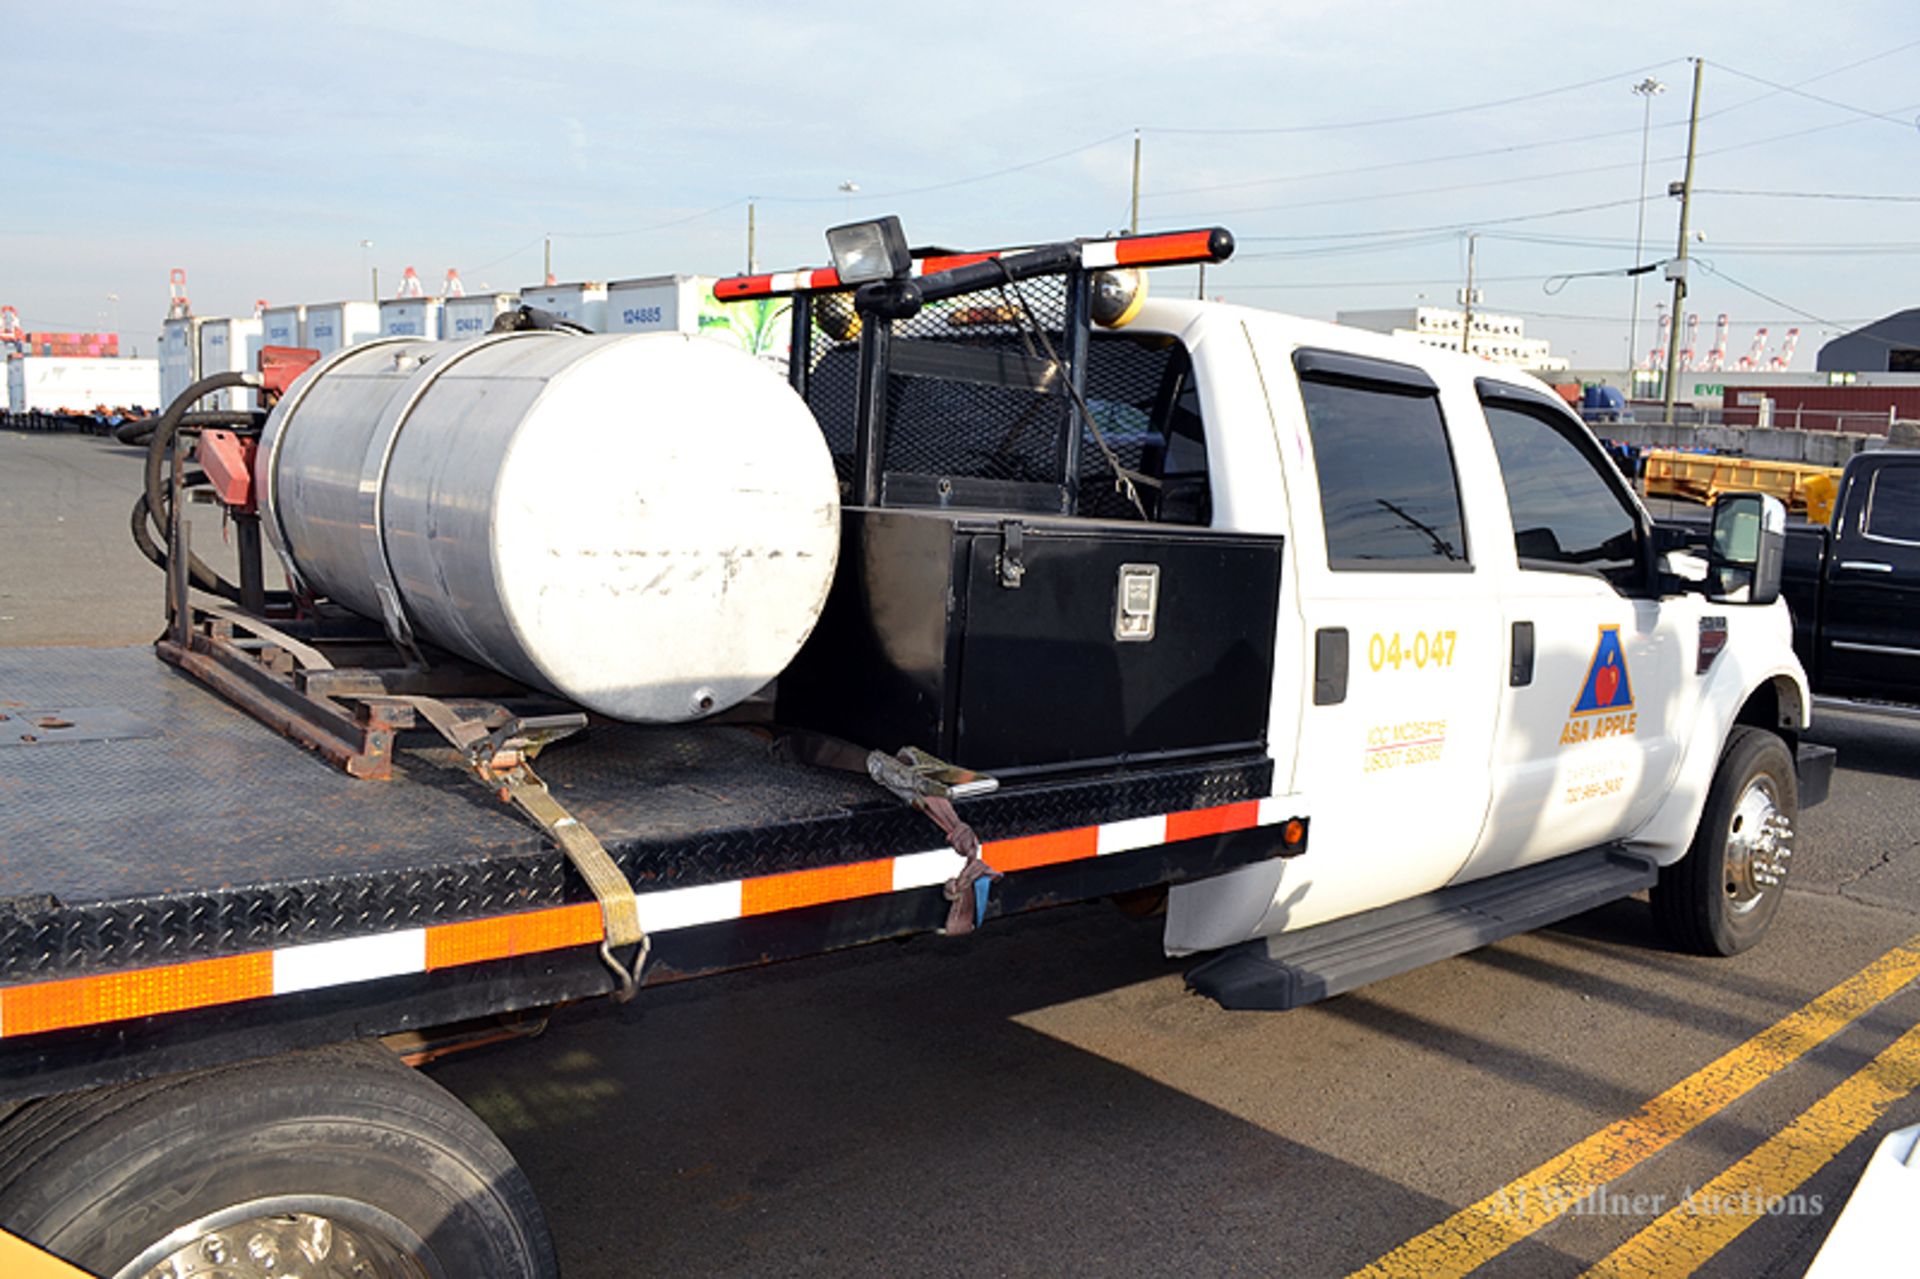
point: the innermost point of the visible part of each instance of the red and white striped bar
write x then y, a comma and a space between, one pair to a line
1171, 248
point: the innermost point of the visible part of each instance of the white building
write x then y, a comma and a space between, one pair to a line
1500, 338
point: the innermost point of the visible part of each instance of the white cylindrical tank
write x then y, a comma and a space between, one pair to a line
645, 525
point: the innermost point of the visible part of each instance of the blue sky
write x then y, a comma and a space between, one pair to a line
256, 145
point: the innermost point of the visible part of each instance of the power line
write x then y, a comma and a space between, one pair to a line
658, 226
1535, 146
1558, 173
534, 243
1458, 226
1814, 97
1418, 115
1812, 195
1439, 190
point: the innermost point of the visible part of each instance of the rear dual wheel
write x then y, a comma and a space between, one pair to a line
1720, 898
339, 1163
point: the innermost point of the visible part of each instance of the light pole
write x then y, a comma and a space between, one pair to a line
849, 188
1647, 89
113, 302
364, 246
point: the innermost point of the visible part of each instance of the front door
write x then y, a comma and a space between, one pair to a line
1591, 699
1870, 630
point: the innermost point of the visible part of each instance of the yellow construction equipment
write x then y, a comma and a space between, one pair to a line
1701, 477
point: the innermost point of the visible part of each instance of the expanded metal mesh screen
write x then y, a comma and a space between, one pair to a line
948, 427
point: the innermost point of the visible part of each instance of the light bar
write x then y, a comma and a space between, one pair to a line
1171, 248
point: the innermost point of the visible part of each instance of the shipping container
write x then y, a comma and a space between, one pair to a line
584, 303
1866, 409
685, 304
333, 325
94, 344
473, 315
179, 356
284, 326
55, 384
411, 318
229, 346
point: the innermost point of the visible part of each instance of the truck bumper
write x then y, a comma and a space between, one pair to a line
1814, 767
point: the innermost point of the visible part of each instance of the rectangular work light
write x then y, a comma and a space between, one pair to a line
867, 251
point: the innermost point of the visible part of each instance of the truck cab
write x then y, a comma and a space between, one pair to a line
1486, 657
1491, 666
1854, 583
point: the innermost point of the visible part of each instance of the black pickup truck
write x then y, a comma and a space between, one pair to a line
1854, 583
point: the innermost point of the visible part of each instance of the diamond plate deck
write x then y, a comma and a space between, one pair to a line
218, 836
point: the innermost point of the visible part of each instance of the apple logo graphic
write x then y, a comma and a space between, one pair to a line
1606, 682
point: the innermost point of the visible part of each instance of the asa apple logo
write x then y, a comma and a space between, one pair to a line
1606, 682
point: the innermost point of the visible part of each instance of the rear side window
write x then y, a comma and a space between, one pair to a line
1893, 509
1566, 513
1388, 496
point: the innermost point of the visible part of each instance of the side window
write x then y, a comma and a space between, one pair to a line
1388, 496
1565, 513
1893, 508
1140, 388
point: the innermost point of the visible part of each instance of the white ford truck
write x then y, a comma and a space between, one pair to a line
1355, 653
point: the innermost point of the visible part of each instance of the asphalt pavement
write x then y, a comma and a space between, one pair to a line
1046, 1098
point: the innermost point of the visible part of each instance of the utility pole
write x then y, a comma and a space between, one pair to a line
750, 253
546, 272
1677, 269
1466, 299
1133, 219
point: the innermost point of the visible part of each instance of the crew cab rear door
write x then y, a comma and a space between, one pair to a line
1592, 695
1871, 627
1403, 646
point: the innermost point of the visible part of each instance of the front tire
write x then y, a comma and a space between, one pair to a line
1720, 898
331, 1163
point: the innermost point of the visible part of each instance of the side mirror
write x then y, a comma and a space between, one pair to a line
1749, 548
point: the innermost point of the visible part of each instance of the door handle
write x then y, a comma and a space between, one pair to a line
1330, 666
1520, 663
1868, 566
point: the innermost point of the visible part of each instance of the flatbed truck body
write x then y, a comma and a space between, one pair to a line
185, 887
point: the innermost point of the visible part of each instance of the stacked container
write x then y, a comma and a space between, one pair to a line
229, 346
473, 315
410, 318
584, 303
179, 356
285, 325
685, 304
332, 325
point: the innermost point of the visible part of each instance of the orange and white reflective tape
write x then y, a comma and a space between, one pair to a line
36, 1007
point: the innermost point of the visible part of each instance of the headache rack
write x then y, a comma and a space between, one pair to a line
966, 383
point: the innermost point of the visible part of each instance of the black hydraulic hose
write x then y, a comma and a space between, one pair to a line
159, 451
142, 530
139, 431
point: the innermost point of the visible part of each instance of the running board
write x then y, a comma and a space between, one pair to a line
1275, 973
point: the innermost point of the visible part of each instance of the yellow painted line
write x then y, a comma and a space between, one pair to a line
21, 1260
1693, 1230
1482, 1231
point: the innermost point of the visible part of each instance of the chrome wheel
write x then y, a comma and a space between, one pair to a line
1759, 844
293, 1237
